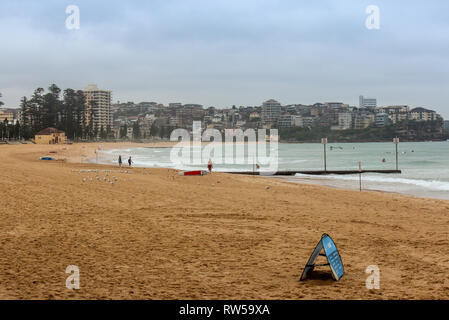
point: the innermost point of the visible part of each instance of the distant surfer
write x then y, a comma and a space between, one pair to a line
120, 161
209, 165
383, 160
130, 161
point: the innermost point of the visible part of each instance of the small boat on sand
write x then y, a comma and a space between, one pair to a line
194, 173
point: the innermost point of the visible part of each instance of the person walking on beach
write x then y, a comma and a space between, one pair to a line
120, 161
130, 161
209, 165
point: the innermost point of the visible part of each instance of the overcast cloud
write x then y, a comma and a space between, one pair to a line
224, 53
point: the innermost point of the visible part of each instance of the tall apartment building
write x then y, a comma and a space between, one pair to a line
344, 121
298, 121
382, 119
286, 121
367, 102
271, 111
308, 121
422, 114
395, 113
362, 121
6, 115
393, 109
98, 107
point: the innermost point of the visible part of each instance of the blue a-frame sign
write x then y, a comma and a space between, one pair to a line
331, 254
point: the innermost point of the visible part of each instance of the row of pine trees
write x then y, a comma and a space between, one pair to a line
64, 110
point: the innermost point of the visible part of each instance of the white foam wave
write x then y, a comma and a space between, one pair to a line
428, 184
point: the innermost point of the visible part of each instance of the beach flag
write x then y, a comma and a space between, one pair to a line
327, 245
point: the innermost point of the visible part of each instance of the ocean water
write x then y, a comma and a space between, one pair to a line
424, 165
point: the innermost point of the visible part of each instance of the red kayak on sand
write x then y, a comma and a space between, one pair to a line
193, 173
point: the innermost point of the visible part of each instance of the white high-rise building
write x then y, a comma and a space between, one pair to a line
367, 102
98, 107
344, 121
271, 111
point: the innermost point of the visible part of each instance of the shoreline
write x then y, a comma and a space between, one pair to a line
316, 182
313, 181
364, 141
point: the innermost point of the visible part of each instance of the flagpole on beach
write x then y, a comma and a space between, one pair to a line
360, 175
254, 166
324, 142
396, 142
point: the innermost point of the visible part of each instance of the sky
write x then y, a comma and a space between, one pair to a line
224, 53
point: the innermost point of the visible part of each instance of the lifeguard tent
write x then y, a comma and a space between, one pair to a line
50, 136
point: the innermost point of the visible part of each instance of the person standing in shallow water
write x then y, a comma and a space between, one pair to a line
130, 161
120, 161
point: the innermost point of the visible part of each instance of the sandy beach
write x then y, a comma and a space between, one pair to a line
156, 235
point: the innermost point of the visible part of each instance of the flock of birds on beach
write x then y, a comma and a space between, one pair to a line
111, 179
108, 177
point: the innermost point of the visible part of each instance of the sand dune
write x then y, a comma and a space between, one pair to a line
156, 235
